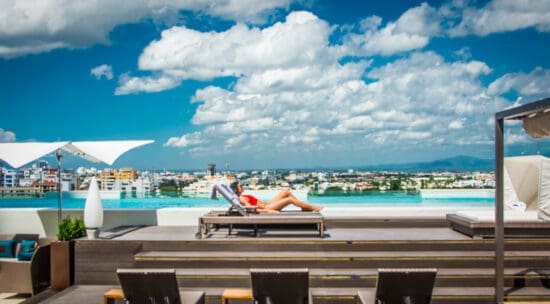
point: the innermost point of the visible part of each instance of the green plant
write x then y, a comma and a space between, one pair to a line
70, 229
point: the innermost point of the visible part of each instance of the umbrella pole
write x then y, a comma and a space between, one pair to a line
59, 194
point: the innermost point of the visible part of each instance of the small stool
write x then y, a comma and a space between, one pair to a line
111, 295
237, 294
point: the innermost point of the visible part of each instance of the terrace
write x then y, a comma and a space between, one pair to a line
344, 262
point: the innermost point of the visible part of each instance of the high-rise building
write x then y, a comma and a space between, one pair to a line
211, 169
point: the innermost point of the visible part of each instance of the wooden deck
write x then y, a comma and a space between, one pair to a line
344, 262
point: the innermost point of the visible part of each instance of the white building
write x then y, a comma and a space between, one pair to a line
9, 178
490, 183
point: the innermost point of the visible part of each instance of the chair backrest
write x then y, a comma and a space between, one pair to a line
280, 286
405, 286
149, 286
224, 189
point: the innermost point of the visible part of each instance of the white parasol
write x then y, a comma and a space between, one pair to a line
19, 154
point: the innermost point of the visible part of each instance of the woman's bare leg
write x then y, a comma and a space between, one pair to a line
280, 203
284, 193
288, 194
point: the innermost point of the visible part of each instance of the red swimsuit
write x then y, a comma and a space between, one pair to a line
251, 199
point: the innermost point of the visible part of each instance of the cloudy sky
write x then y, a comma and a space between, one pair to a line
273, 83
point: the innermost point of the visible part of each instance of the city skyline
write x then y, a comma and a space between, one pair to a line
284, 84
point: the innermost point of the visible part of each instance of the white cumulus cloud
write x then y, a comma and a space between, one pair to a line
246, 10
129, 84
103, 70
420, 99
502, 16
185, 140
6, 136
183, 53
412, 31
531, 85
36, 26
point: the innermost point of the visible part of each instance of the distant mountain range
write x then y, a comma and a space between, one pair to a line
458, 163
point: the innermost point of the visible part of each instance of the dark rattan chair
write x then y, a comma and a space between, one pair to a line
155, 286
280, 286
401, 286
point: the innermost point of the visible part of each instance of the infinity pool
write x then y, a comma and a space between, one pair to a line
375, 199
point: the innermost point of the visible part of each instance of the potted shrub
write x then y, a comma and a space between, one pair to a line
62, 252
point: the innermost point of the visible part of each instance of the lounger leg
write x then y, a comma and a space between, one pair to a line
230, 229
321, 228
255, 230
198, 235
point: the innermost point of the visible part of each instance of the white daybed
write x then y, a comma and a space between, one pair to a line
527, 184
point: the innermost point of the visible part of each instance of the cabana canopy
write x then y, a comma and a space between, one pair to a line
536, 122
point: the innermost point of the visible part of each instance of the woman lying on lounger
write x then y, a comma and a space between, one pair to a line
281, 200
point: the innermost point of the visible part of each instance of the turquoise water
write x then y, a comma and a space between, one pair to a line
385, 199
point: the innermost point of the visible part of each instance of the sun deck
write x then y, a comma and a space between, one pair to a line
342, 263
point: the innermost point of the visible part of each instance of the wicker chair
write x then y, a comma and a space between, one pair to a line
150, 286
401, 286
280, 286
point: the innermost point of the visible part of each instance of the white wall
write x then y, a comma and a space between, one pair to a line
44, 221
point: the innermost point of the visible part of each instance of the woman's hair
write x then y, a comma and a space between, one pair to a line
233, 186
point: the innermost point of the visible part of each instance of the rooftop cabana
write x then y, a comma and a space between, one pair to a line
536, 122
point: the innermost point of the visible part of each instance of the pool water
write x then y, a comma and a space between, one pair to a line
386, 199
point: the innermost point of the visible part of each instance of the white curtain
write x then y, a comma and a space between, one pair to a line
544, 190
525, 174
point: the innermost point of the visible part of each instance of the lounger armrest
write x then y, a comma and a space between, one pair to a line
366, 296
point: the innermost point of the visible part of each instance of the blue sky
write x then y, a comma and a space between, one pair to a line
273, 84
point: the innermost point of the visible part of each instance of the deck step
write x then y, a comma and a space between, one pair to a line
269, 245
440, 295
342, 277
338, 259
362, 278
174, 255
254, 244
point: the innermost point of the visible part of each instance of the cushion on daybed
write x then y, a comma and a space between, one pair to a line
510, 216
